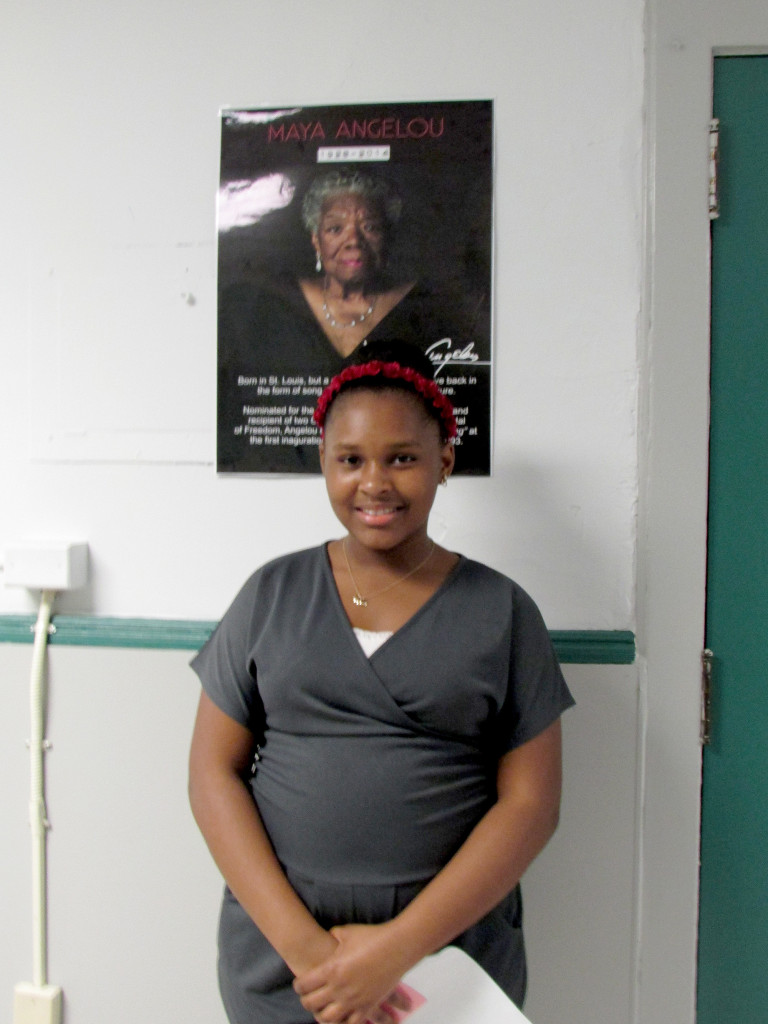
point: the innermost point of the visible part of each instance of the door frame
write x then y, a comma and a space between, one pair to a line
683, 38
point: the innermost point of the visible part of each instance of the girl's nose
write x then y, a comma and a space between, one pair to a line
375, 478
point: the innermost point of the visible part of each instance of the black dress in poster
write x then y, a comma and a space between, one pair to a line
338, 224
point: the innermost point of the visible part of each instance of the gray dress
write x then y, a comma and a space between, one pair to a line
370, 773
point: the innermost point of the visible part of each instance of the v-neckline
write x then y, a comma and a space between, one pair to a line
341, 610
329, 342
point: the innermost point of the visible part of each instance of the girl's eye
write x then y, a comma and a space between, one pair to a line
404, 459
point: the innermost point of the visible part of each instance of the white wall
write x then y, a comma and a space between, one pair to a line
107, 435
107, 423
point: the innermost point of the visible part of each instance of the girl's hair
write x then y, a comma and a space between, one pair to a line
390, 366
341, 182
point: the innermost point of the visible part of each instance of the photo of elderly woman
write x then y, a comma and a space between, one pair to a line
348, 216
324, 248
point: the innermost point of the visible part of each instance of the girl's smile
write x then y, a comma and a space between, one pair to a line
378, 516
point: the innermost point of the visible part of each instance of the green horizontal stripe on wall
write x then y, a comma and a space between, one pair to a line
594, 646
93, 631
573, 646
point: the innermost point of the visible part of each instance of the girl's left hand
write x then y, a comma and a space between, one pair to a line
353, 983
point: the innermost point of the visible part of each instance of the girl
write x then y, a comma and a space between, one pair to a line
376, 755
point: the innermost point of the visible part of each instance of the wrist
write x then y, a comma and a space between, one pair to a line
309, 950
402, 945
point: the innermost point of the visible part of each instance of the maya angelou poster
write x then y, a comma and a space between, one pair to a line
338, 224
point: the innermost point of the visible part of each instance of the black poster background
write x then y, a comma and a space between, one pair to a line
273, 357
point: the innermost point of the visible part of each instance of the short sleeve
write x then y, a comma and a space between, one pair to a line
225, 666
537, 693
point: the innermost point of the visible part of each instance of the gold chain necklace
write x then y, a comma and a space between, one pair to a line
357, 597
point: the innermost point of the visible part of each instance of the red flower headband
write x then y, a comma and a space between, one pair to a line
427, 388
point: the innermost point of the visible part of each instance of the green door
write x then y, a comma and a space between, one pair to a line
733, 925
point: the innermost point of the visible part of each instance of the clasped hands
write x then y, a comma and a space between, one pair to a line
358, 982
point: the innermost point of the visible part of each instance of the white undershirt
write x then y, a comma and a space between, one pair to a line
371, 640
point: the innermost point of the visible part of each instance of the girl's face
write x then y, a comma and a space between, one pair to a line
382, 458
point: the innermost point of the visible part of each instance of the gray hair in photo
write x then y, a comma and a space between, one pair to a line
342, 182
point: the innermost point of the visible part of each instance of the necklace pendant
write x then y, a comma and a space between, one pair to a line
359, 601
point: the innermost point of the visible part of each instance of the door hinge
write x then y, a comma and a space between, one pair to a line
706, 696
714, 168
